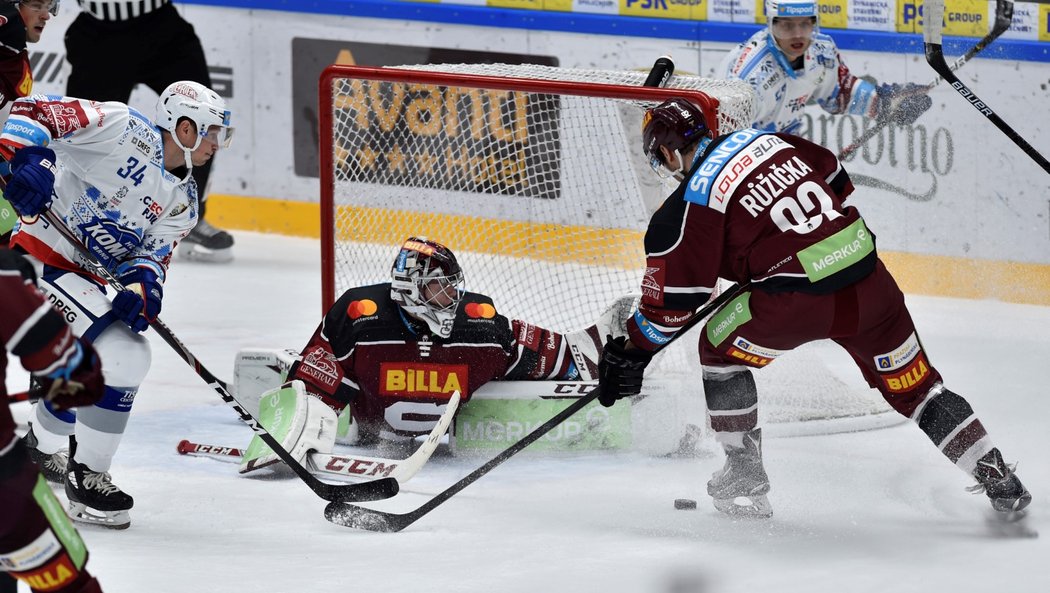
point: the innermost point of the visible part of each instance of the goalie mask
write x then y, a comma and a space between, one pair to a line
426, 281
676, 124
199, 104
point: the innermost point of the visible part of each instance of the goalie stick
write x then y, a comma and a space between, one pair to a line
933, 20
353, 466
1004, 11
349, 515
374, 490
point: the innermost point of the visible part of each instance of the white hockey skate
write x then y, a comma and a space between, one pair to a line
739, 489
93, 498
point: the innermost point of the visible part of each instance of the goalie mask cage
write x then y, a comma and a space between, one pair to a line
534, 176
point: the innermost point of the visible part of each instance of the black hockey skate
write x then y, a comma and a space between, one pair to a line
998, 480
207, 243
93, 499
52, 465
739, 489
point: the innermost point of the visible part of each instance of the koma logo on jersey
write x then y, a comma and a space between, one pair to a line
107, 239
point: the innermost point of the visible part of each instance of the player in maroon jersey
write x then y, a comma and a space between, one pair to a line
767, 208
396, 351
38, 544
21, 21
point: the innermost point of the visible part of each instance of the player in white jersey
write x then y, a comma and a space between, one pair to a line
791, 63
105, 170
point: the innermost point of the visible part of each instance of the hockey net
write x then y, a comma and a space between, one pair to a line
535, 177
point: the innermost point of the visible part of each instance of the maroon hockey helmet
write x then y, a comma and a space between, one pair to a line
427, 282
676, 124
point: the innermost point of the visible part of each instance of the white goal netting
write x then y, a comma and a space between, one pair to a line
535, 177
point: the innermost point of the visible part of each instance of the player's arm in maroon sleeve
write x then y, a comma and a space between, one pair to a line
539, 354
683, 247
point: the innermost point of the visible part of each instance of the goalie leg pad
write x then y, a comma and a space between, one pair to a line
298, 421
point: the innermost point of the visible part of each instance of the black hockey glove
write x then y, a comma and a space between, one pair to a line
620, 370
903, 103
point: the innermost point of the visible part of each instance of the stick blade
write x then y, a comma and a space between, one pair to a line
347, 515
380, 489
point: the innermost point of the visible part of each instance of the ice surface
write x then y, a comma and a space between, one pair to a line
873, 511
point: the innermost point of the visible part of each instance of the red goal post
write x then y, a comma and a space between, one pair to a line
333, 84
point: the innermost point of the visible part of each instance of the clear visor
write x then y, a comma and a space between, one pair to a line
795, 26
663, 171
42, 6
219, 135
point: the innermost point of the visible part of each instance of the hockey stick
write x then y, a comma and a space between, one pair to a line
349, 515
354, 466
1004, 10
21, 396
933, 20
374, 490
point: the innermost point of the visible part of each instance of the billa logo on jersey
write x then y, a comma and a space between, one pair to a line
749, 358
362, 308
405, 379
55, 575
479, 310
912, 375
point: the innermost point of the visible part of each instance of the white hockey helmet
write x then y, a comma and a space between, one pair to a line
199, 104
792, 8
427, 282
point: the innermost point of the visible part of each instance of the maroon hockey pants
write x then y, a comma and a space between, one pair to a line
868, 318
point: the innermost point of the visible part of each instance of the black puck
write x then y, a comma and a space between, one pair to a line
684, 504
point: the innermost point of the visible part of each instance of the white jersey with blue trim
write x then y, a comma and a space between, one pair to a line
111, 188
783, 91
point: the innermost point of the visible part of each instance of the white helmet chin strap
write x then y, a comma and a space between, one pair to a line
188, 155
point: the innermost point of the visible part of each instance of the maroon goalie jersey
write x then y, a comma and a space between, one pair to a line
399, 377
756, 206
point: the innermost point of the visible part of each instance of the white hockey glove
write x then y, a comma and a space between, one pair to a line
300, 422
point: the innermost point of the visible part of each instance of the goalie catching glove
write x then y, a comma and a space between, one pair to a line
300, 422
621, 370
